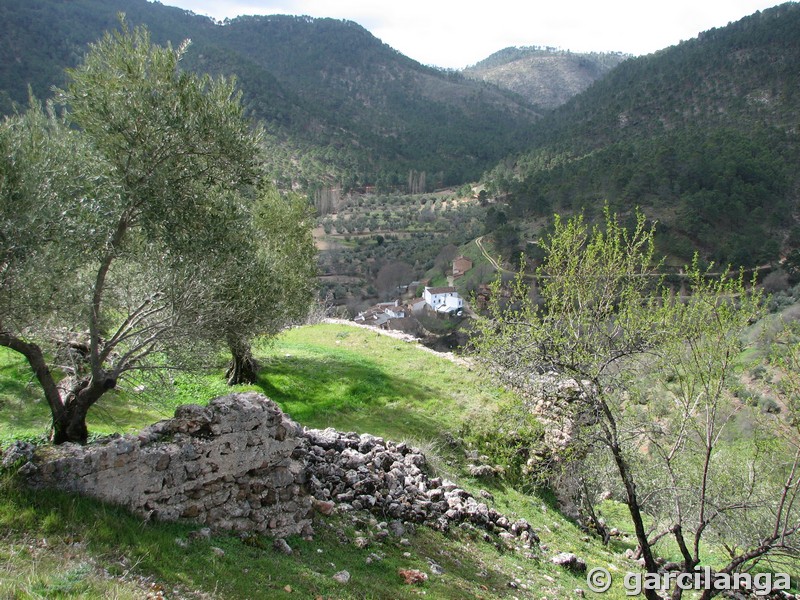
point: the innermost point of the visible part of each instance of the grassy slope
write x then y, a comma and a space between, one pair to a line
356, 379
56, 545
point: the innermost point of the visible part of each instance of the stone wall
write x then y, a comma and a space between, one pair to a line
241, 464
350, 472
229, 465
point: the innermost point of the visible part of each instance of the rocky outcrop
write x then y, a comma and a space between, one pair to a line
229, 465
544, 76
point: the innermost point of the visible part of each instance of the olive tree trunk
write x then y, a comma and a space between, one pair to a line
69, 402
243, 368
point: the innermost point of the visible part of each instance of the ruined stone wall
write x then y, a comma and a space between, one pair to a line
241, 464
348, 472
228, 465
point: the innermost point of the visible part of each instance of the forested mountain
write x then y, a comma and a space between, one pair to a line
703, 136
338, 104
546, 77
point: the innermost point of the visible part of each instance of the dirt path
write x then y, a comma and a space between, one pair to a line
494, 263
405, 337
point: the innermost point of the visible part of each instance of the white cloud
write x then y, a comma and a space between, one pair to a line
455, 33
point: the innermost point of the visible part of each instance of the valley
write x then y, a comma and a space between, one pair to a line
553, 293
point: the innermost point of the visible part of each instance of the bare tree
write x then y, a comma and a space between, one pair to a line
391, 276
416, 182
327, 200
443, 261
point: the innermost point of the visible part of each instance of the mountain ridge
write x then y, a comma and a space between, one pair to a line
337, 86
544, 76
703, 136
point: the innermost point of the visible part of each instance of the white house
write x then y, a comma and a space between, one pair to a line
380, 314
443, 299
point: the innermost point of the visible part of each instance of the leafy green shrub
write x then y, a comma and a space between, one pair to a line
746, 396
510, 438
768, 405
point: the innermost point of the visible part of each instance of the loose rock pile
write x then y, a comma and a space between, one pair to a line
355, 472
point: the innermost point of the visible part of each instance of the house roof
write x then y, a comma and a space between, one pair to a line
382, 305
381, 319
441, 290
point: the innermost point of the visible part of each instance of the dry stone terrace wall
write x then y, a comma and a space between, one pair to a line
228, 465
241, 464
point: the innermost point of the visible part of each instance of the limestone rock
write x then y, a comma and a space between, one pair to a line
282, 546
412, 576
17, 453
570, 561
341, 577
228, 465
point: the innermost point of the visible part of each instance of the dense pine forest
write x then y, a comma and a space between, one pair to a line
340, 107
703, 136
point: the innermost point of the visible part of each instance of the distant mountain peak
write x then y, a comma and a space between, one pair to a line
543, 75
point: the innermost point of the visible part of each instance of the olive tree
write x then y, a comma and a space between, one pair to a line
52, 184
268, 283
142, 199
656, 421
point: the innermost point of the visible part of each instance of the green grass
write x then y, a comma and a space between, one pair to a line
356, 379
55, 545
24, 413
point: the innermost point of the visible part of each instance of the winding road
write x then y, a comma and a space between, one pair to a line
494, 263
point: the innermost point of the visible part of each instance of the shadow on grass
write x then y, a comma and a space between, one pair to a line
248, 567
348, 394
16, 379
23, 411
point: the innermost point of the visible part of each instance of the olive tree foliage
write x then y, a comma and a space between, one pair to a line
52, 187
656, 424
128, 195
268, 284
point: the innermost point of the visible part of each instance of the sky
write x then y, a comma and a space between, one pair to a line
454, 34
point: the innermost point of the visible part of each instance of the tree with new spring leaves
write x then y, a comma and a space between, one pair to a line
119, 225
656, 424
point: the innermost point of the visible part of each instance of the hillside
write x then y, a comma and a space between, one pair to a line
545, 77
703, 136
57, 545
741, 75
339, 105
